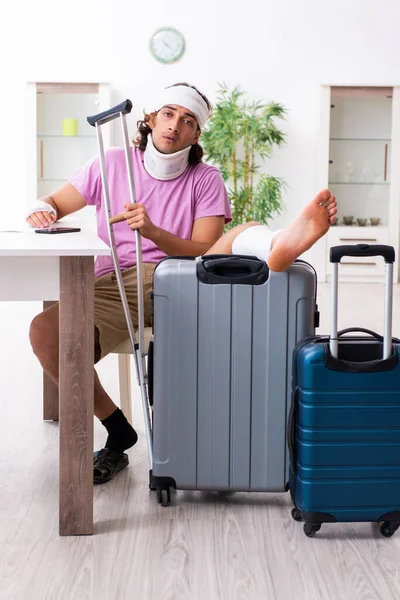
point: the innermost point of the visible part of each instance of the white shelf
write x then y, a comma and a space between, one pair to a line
354, 139
66, 137
359, 182
44, 179
359, 228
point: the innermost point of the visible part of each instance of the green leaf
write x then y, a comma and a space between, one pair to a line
239, 138
267, 201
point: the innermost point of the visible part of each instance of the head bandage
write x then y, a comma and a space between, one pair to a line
185, 96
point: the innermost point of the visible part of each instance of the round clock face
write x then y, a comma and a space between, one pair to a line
167, 44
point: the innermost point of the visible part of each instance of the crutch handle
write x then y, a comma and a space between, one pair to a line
112, 113
117, 218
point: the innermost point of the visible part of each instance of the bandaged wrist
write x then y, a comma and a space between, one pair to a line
41, 206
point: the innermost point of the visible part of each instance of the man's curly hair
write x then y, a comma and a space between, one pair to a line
196, 151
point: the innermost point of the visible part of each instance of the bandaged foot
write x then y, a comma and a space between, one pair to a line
311, 224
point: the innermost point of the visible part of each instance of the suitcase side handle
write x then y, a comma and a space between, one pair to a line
337, 252
232, 269
112, 113
291, 431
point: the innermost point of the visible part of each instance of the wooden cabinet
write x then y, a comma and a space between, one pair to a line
60, 139
356, 269
362, 152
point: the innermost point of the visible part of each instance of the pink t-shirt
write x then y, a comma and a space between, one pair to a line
171, 205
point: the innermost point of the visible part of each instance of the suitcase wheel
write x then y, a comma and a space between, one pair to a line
310, 529
164, 496
388, 528
296, 514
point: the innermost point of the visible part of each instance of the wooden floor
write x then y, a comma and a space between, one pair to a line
205, 546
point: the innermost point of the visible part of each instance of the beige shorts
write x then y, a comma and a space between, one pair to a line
109, 315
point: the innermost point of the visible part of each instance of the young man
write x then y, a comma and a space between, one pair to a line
182, 209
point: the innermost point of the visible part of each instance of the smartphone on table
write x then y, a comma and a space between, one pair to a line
58, 230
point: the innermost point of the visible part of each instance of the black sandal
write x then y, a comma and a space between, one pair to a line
106, 463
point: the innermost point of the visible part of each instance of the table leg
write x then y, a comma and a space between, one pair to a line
76, 395
50, 390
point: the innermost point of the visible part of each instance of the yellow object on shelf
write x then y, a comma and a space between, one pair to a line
70, 126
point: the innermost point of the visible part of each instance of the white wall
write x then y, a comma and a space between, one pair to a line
280, 50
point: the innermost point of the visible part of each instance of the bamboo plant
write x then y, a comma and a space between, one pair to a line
239, 138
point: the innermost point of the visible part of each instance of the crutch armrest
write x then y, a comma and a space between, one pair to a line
112, 113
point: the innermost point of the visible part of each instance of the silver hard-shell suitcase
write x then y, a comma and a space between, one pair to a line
224, 331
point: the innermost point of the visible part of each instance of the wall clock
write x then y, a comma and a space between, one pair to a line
167, 44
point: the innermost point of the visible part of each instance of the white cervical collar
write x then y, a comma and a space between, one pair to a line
165, 166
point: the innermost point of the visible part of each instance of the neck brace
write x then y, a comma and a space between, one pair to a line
165, 166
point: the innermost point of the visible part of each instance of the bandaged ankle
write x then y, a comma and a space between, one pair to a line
255, 241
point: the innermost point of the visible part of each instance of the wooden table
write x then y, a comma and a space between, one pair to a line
60, 267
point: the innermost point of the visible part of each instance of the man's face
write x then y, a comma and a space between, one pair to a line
174, 128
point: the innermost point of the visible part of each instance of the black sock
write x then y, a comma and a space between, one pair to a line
121, 434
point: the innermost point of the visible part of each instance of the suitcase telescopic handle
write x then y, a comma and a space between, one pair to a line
112, 113
388, 253
337, 252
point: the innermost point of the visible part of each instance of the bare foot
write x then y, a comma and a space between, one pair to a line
311, 224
